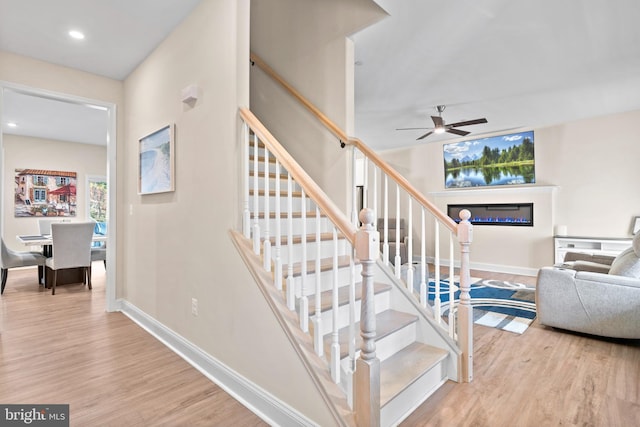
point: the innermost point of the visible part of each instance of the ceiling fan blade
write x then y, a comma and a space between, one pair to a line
458, 132
437, 120
468, 123
425, 135
410, 128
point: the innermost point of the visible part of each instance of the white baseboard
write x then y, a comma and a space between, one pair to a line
259, 401
498, 268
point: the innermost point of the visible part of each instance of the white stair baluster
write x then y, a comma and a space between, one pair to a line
410, 270
304, 299
398, 259
354, 188
437, 302
365, 187
335, 338
291, 301
385, 246
256, 199
317, 319
452, 287
246, 215
266, 252
423, 262
375, 195
277, 278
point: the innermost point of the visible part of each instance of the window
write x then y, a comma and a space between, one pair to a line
39, 195
39, 180
97, 209
62, 180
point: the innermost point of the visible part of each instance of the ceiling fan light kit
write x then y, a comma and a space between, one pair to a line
441, 127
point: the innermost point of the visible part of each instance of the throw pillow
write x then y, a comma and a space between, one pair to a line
626, 264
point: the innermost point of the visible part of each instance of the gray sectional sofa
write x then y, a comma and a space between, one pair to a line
598, 296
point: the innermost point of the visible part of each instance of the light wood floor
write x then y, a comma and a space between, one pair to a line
67, 349
544, 377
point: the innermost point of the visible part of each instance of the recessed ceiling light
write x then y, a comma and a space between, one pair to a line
78, 35
12, 125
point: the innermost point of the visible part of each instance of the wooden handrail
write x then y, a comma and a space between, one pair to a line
332, 127
403, 183
335, 130
312, 189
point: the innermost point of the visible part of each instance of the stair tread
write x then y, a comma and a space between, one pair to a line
311, 238
387, 322
406, 366
326, 264
272, 193
283, 215
261, 159
326, 297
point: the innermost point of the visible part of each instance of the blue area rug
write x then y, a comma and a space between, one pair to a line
505, 305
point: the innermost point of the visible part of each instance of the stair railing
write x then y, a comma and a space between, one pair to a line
460, 318
256, 138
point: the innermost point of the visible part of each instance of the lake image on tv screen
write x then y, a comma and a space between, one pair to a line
496, 160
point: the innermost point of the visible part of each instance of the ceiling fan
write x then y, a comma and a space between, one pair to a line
442, 127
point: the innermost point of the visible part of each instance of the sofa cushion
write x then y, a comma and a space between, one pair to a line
626, 264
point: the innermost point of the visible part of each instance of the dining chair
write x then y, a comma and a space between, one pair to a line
71, 249
13, 259
44, 226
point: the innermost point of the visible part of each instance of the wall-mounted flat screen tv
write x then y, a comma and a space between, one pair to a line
495, 160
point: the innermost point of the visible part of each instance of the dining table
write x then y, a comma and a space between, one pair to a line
68, 275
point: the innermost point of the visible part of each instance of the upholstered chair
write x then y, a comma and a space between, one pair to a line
71, 249
13, 259
594, 296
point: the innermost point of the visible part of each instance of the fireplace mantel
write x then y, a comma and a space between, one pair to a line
501, 189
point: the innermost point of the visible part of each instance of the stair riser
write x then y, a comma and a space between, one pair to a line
326, 251
272, 184
296, 204
326, 280
388, 345
325, 226
271, 168
414, 395
381, 303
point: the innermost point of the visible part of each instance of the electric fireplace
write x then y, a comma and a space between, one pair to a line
515, 214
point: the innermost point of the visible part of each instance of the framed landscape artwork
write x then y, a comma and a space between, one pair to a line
156, 170
497, 160
40, 192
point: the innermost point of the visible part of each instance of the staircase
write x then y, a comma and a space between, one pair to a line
308, 246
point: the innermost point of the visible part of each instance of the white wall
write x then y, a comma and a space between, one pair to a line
586, 179
34, 153
176, 245
305, 42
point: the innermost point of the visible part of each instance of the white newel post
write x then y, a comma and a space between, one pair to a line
367, 387
465, 310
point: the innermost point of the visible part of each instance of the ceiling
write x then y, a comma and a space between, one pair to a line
119, 35
519, 64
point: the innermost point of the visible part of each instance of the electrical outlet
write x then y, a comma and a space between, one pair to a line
194, 306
